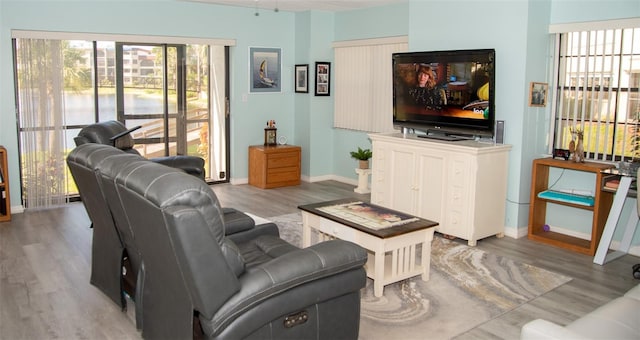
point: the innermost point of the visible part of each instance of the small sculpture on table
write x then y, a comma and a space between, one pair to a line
576, 146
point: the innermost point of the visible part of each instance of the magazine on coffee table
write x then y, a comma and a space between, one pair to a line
367, 215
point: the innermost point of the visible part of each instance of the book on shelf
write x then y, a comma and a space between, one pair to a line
612, 184
3, 202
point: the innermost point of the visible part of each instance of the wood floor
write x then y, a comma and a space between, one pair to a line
45, 258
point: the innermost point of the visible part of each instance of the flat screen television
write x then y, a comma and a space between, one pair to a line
445, 94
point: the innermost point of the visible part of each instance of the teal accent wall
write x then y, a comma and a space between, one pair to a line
566, 11
517, 30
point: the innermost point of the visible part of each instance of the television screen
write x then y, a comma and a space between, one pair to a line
446, 92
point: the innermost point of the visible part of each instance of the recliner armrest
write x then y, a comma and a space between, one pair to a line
292, 269
192, 165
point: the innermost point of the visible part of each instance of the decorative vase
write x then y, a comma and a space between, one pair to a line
363, 164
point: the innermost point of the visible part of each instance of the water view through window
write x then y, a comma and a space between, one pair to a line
165, 88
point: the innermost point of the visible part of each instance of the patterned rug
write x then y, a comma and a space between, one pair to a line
467, 287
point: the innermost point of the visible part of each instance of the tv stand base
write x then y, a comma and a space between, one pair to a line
449, 138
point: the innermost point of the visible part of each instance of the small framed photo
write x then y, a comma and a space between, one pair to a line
323, 72
265, 70
538, 94
302, 78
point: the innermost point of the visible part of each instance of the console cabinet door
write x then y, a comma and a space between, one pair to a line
430, 185
409, 180
402, 173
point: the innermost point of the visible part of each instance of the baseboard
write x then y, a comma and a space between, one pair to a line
17, 209
239, 181
340, 179
516, 232
524, 231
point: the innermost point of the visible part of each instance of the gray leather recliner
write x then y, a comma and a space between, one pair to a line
114, 246
261, 288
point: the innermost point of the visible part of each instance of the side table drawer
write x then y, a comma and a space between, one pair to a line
336, 230
278, 175
281, 160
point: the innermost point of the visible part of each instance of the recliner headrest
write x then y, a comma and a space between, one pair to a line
102, 132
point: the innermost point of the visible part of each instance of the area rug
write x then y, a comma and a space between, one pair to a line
467, 288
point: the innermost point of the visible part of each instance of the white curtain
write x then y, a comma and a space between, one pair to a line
39, 65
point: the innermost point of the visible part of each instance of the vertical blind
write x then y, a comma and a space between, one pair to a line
363, 83
597, 91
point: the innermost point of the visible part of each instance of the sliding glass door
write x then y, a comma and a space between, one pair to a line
176, 92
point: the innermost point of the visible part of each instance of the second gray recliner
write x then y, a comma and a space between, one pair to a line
264, 288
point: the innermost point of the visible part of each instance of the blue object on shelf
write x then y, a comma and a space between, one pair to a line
567, 197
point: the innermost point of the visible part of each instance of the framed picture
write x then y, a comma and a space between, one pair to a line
302, 78
538, 94
265, 71
323, 72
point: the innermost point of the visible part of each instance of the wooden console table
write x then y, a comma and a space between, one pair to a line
274, 166
602, 201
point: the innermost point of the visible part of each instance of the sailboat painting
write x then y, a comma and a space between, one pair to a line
265, 69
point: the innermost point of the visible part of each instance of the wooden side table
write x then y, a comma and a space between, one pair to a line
537, 210
273, 166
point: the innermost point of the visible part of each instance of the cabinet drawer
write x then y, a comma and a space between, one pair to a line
283, 175
336, 230
282, 160
457, 198
459, 173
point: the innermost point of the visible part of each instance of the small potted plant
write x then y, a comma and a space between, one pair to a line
363, 156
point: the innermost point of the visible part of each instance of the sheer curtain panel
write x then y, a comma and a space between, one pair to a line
40, 105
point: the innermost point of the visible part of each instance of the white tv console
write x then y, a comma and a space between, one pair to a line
462, 185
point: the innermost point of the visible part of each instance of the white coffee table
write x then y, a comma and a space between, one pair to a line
393, 251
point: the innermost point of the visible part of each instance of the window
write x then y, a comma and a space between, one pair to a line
363, 79
598, 76
63, 85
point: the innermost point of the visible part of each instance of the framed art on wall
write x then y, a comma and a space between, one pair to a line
265, 72
323, 72
302, 78
538, 94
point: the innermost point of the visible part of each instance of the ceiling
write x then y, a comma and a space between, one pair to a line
303, 5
